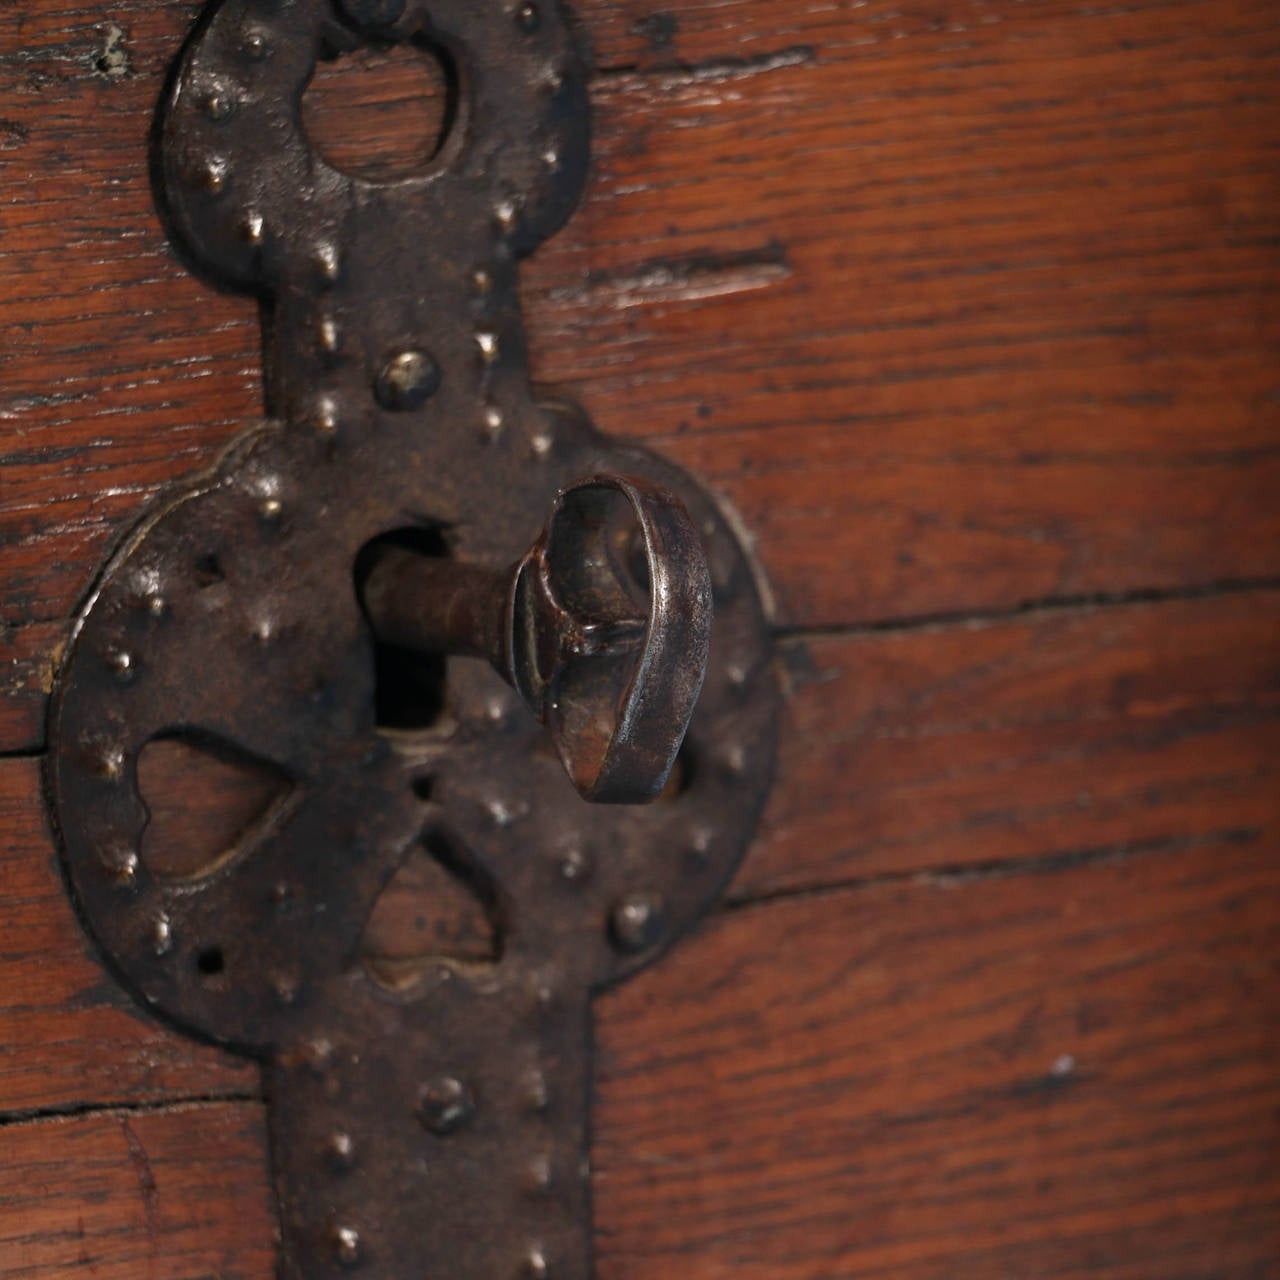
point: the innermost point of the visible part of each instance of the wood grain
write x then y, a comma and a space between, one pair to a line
960, 311
1064, 1074
1024, 343
68, 1033
965, 309
177, 1195
1064, 735
1057, 733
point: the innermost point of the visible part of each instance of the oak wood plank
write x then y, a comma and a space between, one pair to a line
961, 308
68, 1033
954, 327
174, 1195
28, 658
1063, 1074
1046, 738
960, 311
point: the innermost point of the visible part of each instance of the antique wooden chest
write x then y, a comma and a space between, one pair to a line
970, 313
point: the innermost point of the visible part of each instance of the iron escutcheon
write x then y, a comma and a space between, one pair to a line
428, 1119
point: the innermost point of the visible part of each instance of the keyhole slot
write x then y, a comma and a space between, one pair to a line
409, 685
383, 113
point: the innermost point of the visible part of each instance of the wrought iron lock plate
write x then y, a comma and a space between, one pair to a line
431, 1122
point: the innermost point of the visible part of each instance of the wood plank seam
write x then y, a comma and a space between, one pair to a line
124, 1107
24, 691
996, 869
834, 894
1033, 608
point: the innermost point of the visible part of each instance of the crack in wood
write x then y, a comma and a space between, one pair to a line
715, 70
688, 278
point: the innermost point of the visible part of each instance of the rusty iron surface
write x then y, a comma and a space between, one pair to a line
428, 1120
603, 627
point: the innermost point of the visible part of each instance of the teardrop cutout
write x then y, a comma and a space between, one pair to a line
209, 802
440, 905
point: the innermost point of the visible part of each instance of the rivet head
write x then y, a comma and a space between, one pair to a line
324, 417
497, 709
528, 17
156, 605
487, 341
542, 445
493, 422
219, 104
540, 1174
318, 1054
328, 264
162, 936
536, 1093
256, 46
551, 158
503, 814
270, 509
107, 762
329, 337
408, 380
346, 1245
120, 861
536, 1266
445, 1104
575, 865
253, 229
700, 846
211, 174
341, 1150
121, 662
506, 215
735, 760
481, 280
636, 923
286, 987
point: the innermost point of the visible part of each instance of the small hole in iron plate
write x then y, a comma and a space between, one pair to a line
209, 571
210, 962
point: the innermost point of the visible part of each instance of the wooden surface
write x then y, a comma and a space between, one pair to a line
971, 313
961, 312
1070, 1073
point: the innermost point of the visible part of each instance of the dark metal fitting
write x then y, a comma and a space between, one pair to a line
603, 627
427, 1101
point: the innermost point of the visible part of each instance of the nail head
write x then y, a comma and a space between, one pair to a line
346, 1245
637, 922
341, 1150
445, 1104
407, 380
